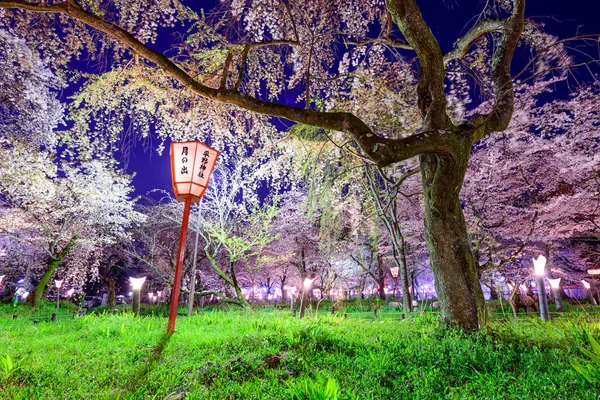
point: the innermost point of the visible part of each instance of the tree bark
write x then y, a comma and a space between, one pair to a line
111, 287
236, 286
456, 279
406, 297
37, 293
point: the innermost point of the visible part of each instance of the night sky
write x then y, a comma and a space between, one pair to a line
448, 19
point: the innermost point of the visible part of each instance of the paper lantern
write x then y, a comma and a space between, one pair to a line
191, 166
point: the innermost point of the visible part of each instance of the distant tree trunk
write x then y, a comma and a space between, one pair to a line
35, 297
389, 217
456, 278
381, 278
406, 296
111, 287
282, 286
493, 292
236, 287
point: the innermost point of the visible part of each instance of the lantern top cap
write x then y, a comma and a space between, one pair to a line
554, 283
586, 284
136, 283
539, 265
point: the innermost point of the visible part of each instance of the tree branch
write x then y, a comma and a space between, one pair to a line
462, 45
430, 90
381, 150
499, 118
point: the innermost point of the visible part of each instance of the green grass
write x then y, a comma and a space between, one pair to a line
266, 354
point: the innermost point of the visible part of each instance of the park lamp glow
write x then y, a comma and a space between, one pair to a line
394, 271
539, 265
58, 283
554, 283
1, 278
308, 282
586, 284
136, 283
70, 292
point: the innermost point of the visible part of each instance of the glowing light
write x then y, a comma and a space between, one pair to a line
554, 283
2, 278
136, 283
58, 283
308, 282
70, 292
586, 284
394, 271
539, 265
191, 166
593, 271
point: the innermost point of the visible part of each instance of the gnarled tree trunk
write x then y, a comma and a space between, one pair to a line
456, 279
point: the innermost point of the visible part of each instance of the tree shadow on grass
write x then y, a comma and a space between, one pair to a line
138, 379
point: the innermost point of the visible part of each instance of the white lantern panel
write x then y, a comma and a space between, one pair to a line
197, 190
205, 162
183, 188
183, 155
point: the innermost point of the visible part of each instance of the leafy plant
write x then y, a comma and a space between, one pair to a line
321, 389
9, 367
590, 371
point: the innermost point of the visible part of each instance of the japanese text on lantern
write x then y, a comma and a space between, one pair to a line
184, 160
191, 166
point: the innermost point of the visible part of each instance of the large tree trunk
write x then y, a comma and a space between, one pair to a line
35, 297
456, 279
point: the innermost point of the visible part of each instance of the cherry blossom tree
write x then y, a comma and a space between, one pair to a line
240, 59
534, 187
29, 108
58, 207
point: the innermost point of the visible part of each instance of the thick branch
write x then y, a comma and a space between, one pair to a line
462, 45
500, 116
431, 95
226, 66
383, 151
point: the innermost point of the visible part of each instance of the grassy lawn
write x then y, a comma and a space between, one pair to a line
266, 354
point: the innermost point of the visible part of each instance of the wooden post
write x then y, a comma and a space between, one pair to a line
179, 266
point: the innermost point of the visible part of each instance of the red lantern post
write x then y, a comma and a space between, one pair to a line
191, 166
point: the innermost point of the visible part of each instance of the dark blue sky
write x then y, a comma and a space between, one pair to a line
448, 19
